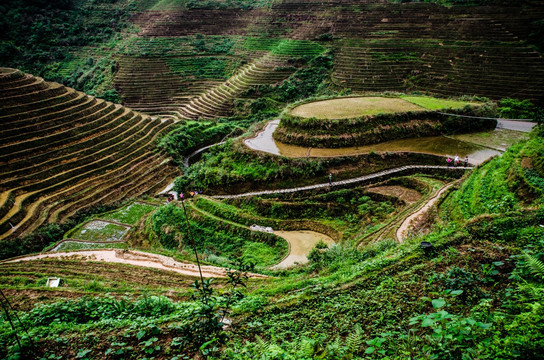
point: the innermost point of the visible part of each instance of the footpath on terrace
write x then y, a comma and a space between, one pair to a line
365, 178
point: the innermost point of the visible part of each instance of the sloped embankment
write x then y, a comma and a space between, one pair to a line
374, 129
62, 151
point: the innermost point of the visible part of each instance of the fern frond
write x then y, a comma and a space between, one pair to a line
536, 266
354, 341
262, 345
307, 348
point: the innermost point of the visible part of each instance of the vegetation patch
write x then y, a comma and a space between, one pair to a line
190, 136
130, 214
233, 168
352, 107
77, 245
432, 103
98, 230
221, 242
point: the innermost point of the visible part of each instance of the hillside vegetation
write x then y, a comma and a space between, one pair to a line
477, 293
123, 160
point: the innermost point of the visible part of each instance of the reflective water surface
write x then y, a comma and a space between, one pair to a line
438, 145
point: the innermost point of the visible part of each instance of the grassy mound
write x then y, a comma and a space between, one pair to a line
359, 121
350, 107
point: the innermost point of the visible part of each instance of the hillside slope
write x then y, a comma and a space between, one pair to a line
183, 52
62, 151
478, 292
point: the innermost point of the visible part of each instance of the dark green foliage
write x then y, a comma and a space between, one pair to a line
209, 318
536, 36
310, 80
517, 109
200, 67
307, 81
224, 166
167, 223
191, 136
37, 36
88, 309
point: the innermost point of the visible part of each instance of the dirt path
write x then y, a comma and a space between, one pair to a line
517, 125
136, 258
369, 177
405, 226
300, 245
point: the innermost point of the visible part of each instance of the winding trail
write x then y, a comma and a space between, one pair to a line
365, 178
402, 231
135, 258
196, 152
300, 242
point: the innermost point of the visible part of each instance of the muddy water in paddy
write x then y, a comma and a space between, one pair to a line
438, 145
300, 245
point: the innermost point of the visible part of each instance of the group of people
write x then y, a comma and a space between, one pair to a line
172, 196
455, 161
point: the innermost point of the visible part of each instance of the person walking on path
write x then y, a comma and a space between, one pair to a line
466, 161
456, 160
330, 179
448, 161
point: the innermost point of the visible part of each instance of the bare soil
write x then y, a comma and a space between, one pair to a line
135, 258
404, 228
409, 196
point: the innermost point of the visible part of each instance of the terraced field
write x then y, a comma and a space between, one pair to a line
383, 46
179, 79
62, 151
379, 46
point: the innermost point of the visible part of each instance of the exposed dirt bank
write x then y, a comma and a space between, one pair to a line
136, 258
404, 228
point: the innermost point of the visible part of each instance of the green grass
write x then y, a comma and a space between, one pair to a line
289, 47
201, 67
97, 230
74, 245
130, 214
431, 103
350, 107
259, 253
169, 5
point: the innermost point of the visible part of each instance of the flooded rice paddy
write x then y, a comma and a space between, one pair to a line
438, 145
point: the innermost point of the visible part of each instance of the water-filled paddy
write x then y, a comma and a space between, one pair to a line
438, 145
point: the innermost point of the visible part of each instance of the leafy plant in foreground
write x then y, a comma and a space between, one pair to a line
210, 318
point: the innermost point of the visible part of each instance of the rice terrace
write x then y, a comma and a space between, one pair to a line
272, 179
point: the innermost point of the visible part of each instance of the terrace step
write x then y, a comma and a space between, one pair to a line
71, 143
217, 101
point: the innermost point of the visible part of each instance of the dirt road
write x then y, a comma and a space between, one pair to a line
136, 258
404, 228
